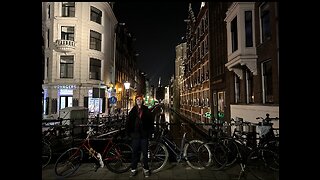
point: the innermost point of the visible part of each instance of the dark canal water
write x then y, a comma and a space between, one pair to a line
176, 129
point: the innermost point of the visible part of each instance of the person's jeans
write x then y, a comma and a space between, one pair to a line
140, 144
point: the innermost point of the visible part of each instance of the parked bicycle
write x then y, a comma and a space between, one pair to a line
263, 164
268, 138
55, 139
242, 147
218, 151
46, 153
115, 156
245, 133
158, 149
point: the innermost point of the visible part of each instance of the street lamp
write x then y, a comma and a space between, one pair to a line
127, 86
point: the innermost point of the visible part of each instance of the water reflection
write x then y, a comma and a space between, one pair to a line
176, 129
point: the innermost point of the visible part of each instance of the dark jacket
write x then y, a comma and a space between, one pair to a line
140, 128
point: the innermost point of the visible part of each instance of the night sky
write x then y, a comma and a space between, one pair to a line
158, 29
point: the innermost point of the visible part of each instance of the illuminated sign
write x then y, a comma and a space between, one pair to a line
65, 86
207, 115
220, 114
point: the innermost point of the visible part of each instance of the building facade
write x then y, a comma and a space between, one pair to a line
181, 56
219, 75
253, 59
126, 69
78, 55
195, 91
231, 70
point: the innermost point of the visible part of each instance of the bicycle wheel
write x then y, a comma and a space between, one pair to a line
273, 145
46, 154
190, 153
158, 156
68, 162
216, 158
232, 150
118, 158
263, 164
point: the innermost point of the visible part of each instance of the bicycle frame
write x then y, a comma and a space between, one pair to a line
88, 147
187, 150
107, 147
85, 145
70, 160
178, 151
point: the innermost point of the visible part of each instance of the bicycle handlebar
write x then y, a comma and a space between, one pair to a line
241, 122
193, 123
268, 118
167, 123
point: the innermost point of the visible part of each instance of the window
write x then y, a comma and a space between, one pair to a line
207, 72
197, 35
249, 86
267, 82
248, 28
201, 49
265, 22
95, 15
221, 101
95, 40
65, 101
47, 67
234, 34
202, 25
48, 38
236, 88
196, 57
206, 20
206, 45
67, 33
215, 99
95, 69
66, 66
198, 54
48, 12
202, 73
206, 94
68, 9
46, 111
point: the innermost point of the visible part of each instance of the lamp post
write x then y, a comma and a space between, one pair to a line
127, 86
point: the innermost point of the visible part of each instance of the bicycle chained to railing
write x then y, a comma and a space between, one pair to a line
115, 156
268, 135
246, 133
108, 123
218, 152
257, 157
159, 146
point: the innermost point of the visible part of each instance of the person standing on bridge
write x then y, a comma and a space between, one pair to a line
139, 126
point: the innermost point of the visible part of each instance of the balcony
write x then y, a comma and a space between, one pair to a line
235, 64
65, 45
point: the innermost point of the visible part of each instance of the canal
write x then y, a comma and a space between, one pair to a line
176, 129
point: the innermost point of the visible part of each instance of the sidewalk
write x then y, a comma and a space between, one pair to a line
172, 171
